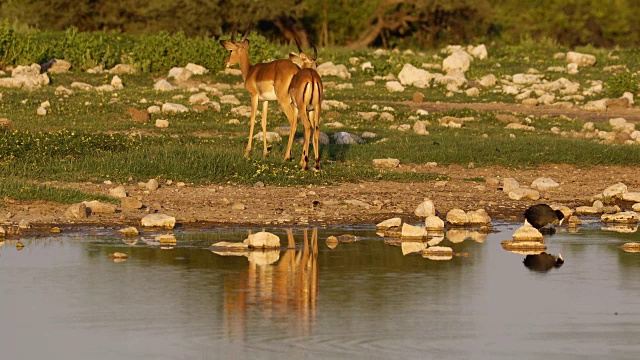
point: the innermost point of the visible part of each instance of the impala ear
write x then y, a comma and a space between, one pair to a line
227, 45
296, 59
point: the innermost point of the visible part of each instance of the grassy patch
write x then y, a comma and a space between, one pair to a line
25, 190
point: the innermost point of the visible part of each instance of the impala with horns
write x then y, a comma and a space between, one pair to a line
306, 93
264, 81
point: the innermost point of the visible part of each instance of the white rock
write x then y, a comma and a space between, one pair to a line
488, 81
118, 192
459, 60
162, 123
544, 184
163, 85
457, 217
41, 111
263, 240
479, 52
520, 193
271, 137
582, 60
433, 223
386, 163
154, 109
626, 217
527, 233
158, 220
330, 69
196, 69
394, 86
631, 196
420, 128
345, 138
425, 209
174, 108
410, 75
231, 99
199, 98
478, 217
180, 74
389, 223
615, 190
116, 82
509, 184
413, 232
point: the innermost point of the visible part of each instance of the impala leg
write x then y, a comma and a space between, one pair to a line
304, 161
265, 105
252, 122
289, 110
316, 135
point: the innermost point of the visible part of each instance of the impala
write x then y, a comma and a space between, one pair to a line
264, 81
306, 93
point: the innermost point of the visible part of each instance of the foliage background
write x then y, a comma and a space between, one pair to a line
352, 23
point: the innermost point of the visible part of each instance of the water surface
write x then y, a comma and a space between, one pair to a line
62, 298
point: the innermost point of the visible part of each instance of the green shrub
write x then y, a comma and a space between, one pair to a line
620, 83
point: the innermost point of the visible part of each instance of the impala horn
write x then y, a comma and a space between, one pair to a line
315, 49
244, 37
234, 31
295, 38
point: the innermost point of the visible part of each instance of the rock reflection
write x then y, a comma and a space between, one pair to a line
542, 262
460, 235
409, 247
621, 228
278, 288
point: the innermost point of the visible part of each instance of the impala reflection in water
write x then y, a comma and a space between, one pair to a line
277, 289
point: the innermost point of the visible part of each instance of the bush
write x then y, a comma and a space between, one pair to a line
623, 82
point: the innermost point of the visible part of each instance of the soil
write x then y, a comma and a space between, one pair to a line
344, 204
349, 203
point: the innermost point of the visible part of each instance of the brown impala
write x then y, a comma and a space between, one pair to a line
264, 81
306, 95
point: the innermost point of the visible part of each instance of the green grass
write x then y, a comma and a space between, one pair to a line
89, 137
24, 190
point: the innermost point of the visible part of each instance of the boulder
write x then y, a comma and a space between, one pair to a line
615, 191
459, 60
97, 207
433, 223
196, 69
129, 231
410, 75
77, 211
582, 60
345, 138
118, 192
129, 203
163, 85
413, 232
159, 220
426, 208
544, 184
263, 240
527, 233
386, 163
520, 193
394, 86
389, 223
174, 108
478, 217
625, 217
509, 184
330, 69
457, 217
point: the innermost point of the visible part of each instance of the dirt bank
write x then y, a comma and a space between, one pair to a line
361, 203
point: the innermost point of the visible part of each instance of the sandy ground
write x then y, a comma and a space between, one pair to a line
346, 204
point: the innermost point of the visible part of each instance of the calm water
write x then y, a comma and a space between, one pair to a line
62, 298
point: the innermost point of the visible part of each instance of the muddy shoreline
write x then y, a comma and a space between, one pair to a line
365, 203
